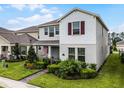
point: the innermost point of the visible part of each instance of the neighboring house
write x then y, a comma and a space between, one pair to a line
9, 39
78, 35
32, 31
120, 46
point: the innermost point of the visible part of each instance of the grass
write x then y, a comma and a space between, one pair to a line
111, 76
15, 71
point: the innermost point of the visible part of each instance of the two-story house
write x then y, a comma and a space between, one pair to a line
78, 35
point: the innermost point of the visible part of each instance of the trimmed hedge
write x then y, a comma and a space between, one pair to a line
54, 68
88, 73
71, 69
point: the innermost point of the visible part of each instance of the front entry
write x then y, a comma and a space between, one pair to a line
55, 52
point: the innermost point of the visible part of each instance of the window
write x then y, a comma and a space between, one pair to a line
4, 48
81, 54
51, 31
46, 31
57, 30
23, 50
76, 28
71, 53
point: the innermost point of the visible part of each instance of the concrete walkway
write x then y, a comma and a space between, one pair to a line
8, 83
34, 75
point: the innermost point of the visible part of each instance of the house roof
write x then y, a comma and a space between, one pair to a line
120, 43
11, 37
21, 39
26, 39
4, 30
53, 22
47, 42
75, 9
31, 29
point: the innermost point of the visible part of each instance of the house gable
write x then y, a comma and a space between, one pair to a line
3, 41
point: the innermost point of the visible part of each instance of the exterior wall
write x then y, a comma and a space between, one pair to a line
120, 47
46, 37
87, 41
90, 28
90, 52
35, 35
102, 47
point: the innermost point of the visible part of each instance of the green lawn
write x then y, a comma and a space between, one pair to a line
111, 76
15, 71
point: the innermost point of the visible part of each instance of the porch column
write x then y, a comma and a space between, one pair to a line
9, 49
27, 49
49, 51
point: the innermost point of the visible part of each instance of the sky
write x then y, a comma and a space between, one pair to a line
17, 16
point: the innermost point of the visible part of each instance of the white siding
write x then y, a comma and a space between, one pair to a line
46, 37
87, 41
90, 34
90, 52
102, 47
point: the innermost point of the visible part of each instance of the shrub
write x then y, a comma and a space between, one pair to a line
122, 57
29, 65
13, 60
69, 68
46, 60
84, 65
54, 68
40, 65
87, 73
32, 57
92, 66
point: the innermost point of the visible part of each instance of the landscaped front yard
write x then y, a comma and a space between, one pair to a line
111, 75
15, 71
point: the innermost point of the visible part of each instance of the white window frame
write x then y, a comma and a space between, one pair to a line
81, 55
72, 54
53, 31
45, 30
79, 28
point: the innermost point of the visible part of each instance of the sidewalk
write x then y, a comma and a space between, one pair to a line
34, 75
8, 83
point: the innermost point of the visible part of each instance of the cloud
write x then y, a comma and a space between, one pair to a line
49, 10
45, 14
21, 22
18, 6
35, 6
28, 6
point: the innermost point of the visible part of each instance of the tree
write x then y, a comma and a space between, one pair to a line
32, 57
121, 35
16, 50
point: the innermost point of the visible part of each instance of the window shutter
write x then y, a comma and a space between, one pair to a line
69, 28
82, 27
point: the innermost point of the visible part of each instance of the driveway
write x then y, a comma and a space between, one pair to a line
8, 83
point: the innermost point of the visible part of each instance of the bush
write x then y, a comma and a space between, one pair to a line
32, 57
46, 60
84, 65
54, 68
29, 65
69, 68
14, 60
92, 66
40, 65
87, 73
122, 57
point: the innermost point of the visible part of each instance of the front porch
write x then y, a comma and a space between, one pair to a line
6, 51
48, 49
